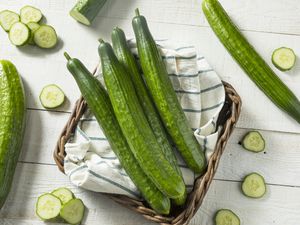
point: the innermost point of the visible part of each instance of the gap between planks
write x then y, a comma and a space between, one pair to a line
216, 179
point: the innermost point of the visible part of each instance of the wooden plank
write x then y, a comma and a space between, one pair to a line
42, 132
33, 180
278, 163
280, 16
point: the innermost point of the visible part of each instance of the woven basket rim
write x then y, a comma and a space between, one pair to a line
228, 118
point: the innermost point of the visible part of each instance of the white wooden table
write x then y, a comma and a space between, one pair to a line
268, 24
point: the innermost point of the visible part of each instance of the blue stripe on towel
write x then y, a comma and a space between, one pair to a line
185, 47
204, 109
98, 138
180, 57
113, 183
77, 169
82, 133
199, 92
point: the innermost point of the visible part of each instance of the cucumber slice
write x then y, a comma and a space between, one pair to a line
45, 37
253, 141
48, 206
73, 211
8, 18
64, 194
283, 58
52, 96
226, 217
30, 14
254, 186
19, 34
33, 26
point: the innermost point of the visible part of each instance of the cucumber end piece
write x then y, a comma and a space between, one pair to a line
254, 186
253, 141
79, 17
137, 12
226, 217
48, 206
52, 96
284, 58
67, 56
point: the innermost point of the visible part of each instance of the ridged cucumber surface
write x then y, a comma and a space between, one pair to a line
126, 58
99, 103
249, 60
12, 124
165, 98
135, 126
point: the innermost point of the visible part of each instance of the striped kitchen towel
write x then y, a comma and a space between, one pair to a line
91, 164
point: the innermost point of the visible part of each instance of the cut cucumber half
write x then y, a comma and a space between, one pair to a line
52, 96
8, 18
45, 37
48, 206
30, 14
19, 34
33, 26
73, 211
64, 194
253, 141
284, 58
226, 217
254, 185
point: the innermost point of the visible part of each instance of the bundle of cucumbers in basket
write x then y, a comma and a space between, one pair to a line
137, 112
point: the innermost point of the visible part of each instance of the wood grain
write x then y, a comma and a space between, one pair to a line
267, 24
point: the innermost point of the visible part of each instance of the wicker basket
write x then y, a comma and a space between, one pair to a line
228, 117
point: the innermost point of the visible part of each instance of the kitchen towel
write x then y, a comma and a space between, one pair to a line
91, 164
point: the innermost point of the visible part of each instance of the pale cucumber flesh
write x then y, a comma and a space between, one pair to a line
284, 58
48, 206
30, 14
19, 34
254, 185
8, 18
52, 96
73, 211
64, 194
226, 217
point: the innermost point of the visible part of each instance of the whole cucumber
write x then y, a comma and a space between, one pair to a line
12, 124
165, 98
135, 126
98, 102
249, 60
126, 58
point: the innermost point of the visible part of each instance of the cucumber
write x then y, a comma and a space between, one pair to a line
165, 98
64, 194
85, 11
126, 58
254, 186
98, 101
48, 207
253, 141
52, 96
135, 126
19, 34
249, 60
30, 14
8, 18
33, 27
73, 211
45, 37
284, 58
12, 124
226, 217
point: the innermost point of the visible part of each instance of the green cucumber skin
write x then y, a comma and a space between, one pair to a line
12, 124
165, 98
249, 60
88, 8
98, 101
135, 126
126, 58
